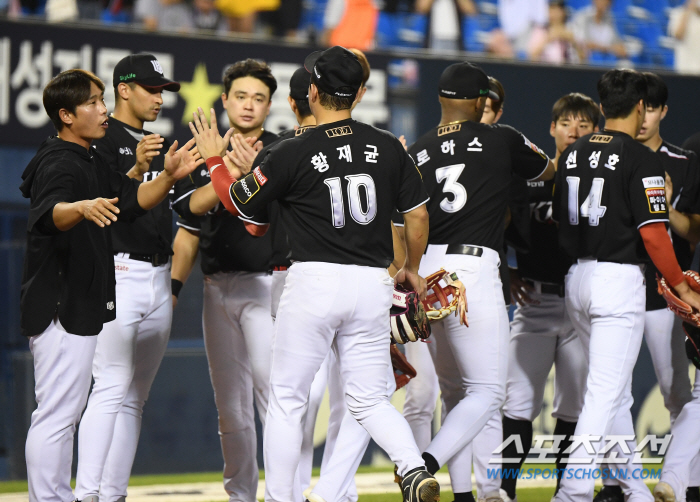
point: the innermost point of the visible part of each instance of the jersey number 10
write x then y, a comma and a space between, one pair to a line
591, 207
357, 212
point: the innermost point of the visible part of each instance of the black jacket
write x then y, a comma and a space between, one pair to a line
71, 273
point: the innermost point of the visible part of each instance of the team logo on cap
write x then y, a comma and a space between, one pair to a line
156, 66
127, 76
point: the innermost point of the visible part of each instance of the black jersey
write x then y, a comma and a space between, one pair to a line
224, 243
608, 186
683, 168
693, 144
70, 274
151, 233
544, 260
278, 233
466, 169
337, 186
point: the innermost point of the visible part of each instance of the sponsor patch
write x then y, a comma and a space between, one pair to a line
245, 188
123, 268
339, 131
653, 182
259, 176
449, 129
656, 197
535, 148
600, 138
302, 130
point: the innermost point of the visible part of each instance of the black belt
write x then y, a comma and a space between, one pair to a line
549, 289
156, 260
464, 249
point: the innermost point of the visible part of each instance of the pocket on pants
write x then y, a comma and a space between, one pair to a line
314, 289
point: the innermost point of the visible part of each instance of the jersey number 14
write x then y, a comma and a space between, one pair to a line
591, 207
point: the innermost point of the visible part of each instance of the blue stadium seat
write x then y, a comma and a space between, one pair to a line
578, 4
475, 30
312, 15
601, 59
120, 17
401, 29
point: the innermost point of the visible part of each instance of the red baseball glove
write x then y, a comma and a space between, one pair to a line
403, 371
675, 304
441, 286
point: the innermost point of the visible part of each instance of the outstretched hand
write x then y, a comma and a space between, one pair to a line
243, 152
180, 163
209, 141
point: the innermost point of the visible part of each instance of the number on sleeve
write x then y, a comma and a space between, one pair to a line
591, 207
451, 174
355, 182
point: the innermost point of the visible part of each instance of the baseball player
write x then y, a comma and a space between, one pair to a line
237, 289
130, 348
541, 332
693, 143
464, 163
68, 286
337, 292
610, 203
666, 344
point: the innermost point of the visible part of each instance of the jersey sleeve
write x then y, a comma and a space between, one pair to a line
267, 182
689, 201
527, 159
412, 193
194, 226
53, 184
646, 190
397, 219
183, 191
127, 190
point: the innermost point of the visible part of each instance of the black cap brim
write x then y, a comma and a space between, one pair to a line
159, 83
311, 59
493, 96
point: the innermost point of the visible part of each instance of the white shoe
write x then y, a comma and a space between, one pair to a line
312, 497
493, 497
505, 496
664, 493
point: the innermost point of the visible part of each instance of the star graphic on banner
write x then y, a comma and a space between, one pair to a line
199, 92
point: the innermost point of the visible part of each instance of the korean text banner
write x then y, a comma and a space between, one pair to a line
32, 53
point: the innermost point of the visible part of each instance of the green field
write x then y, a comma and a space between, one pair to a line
524, 494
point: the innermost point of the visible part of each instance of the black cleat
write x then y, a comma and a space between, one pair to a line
418, 485
609, 494
692, 494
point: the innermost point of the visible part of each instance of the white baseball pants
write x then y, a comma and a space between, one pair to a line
471, 362
605, 302
347, 307
421, 392
685, 445
238, 333
127, 358
542, 335
62, 376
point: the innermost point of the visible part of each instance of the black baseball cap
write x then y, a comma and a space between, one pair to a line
336, 71
145, 70
465, 81
299, 84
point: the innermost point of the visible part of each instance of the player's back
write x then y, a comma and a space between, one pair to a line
607, 186
467, 168
337, 186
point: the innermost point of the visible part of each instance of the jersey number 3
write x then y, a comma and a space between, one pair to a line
451, 174
362, 215
591, 207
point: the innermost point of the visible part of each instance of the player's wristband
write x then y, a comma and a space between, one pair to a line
176, 287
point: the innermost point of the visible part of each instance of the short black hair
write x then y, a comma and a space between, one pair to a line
576, 104
331, 102
497, 87
303, 107
68, 90
620, 91
657, 92
250, 68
